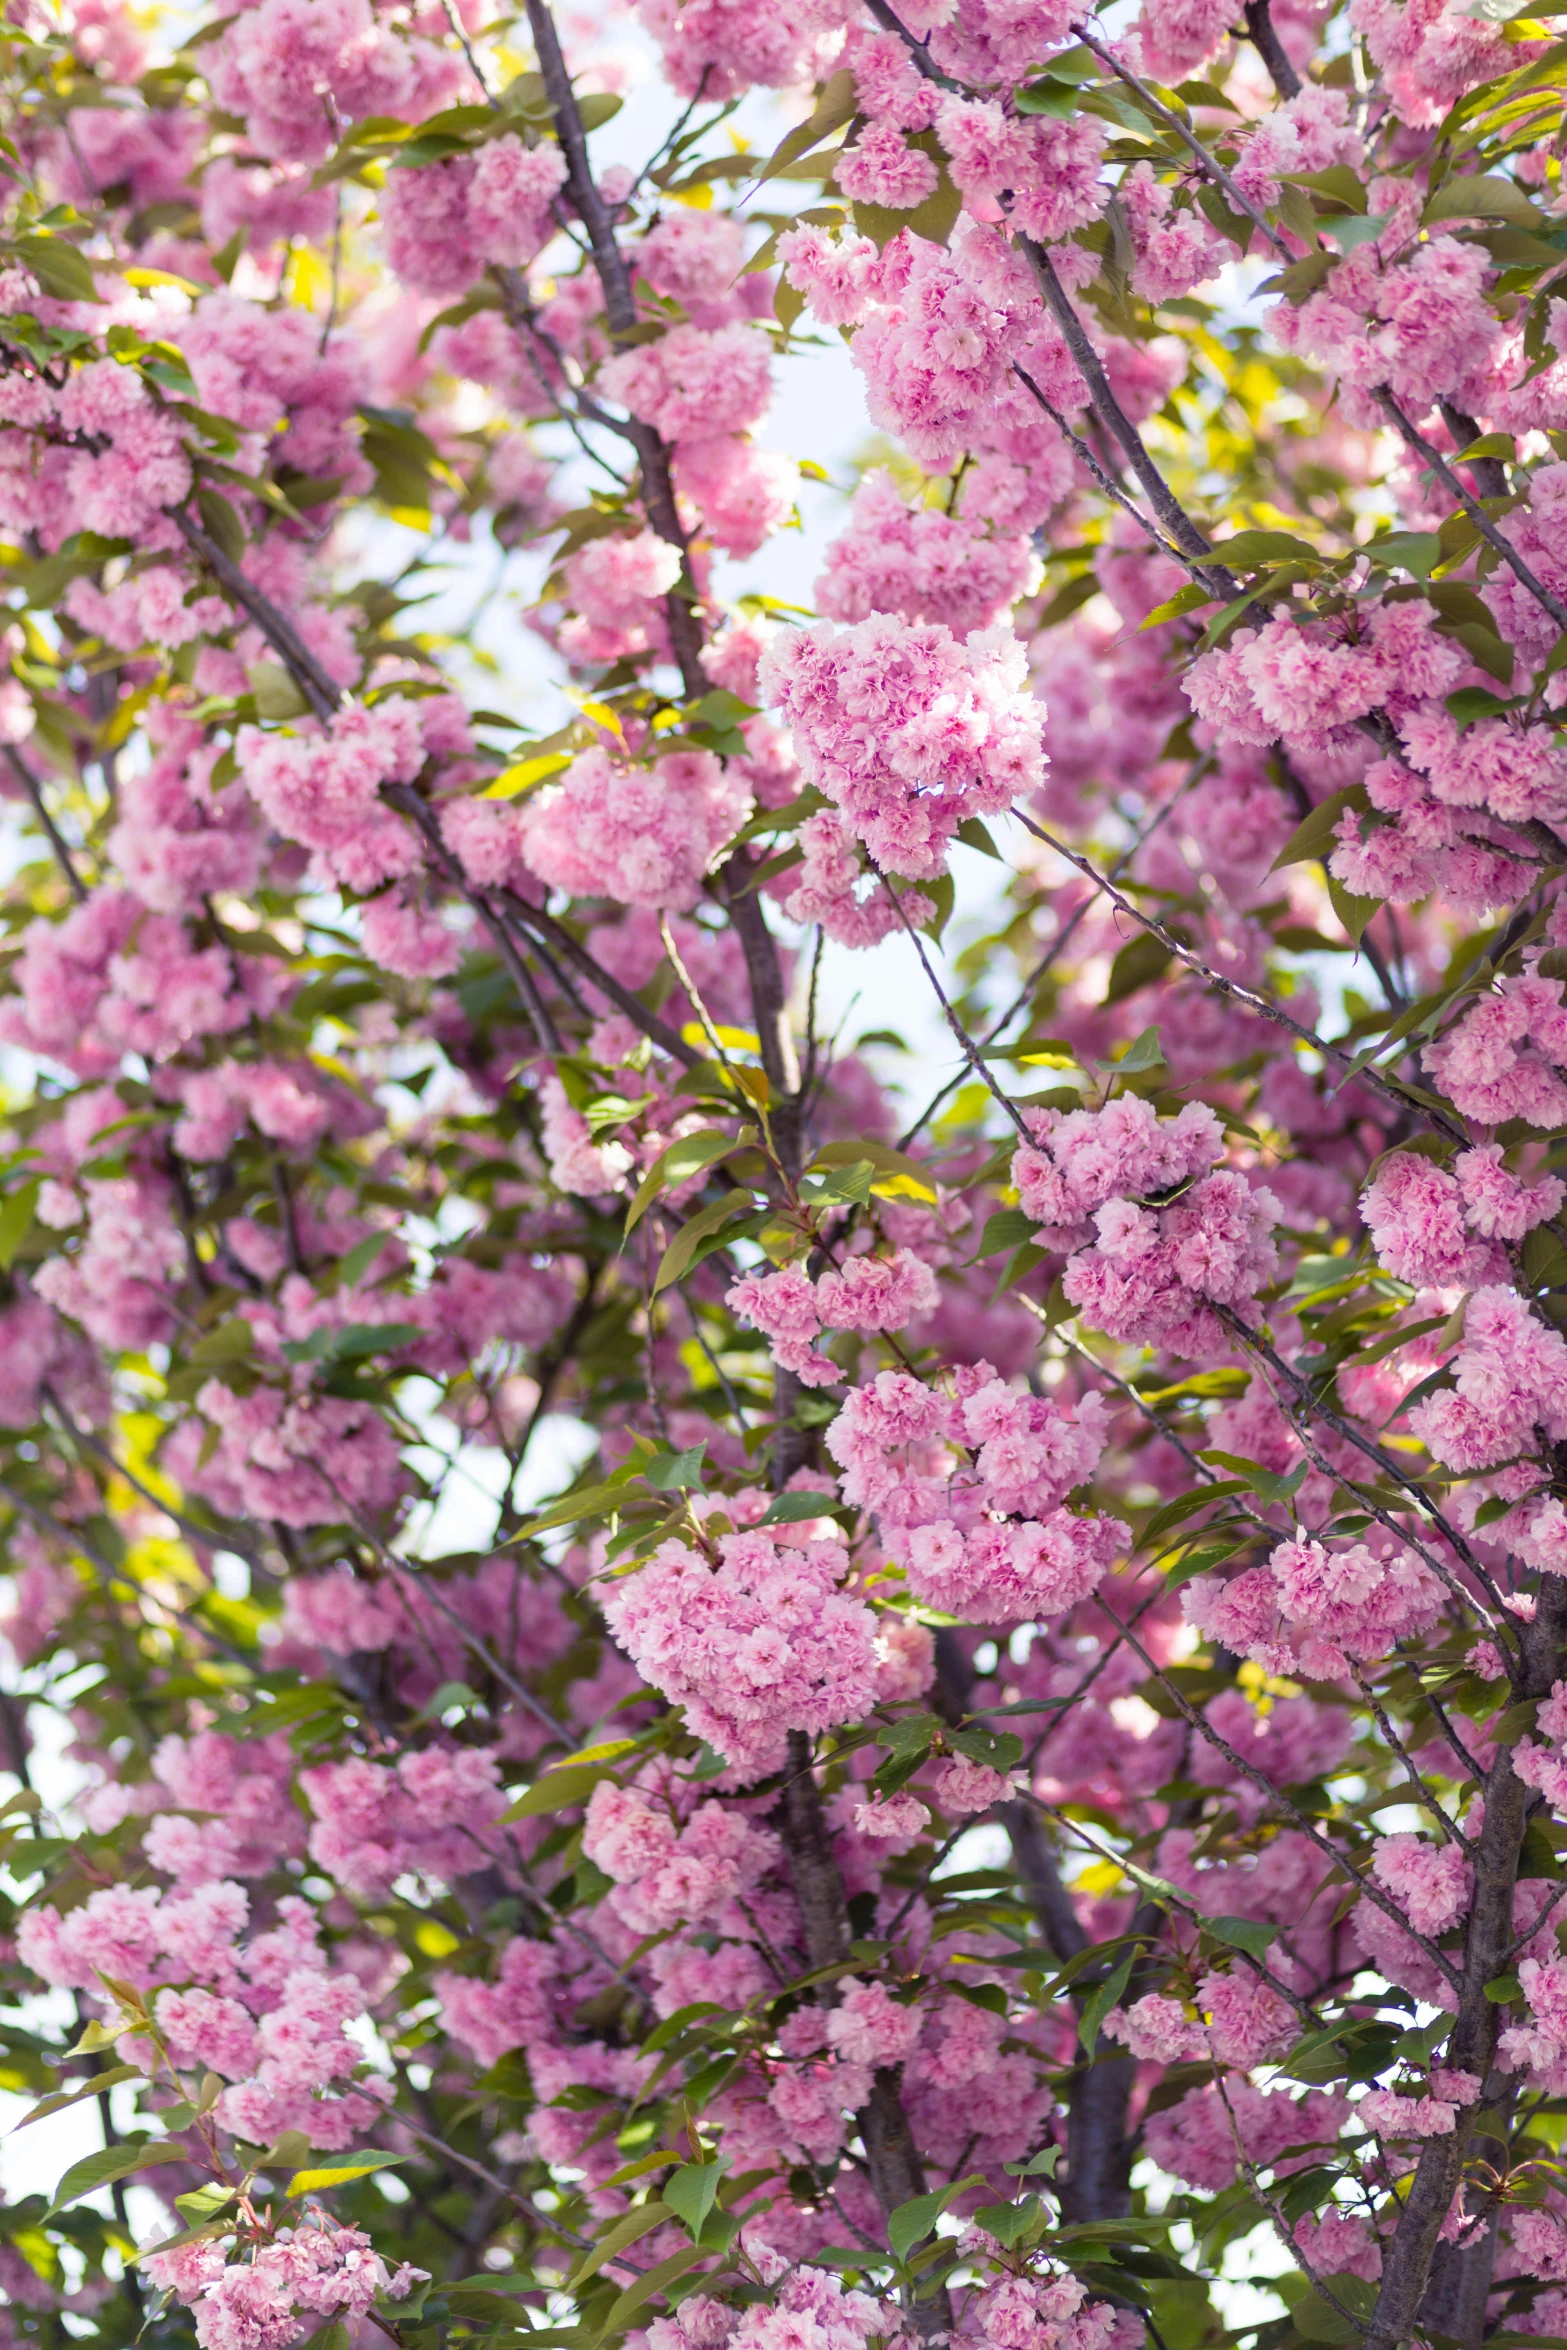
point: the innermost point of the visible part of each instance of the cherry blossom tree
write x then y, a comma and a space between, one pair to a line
1000, 1762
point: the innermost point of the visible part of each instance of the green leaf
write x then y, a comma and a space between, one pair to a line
1144, 1052
913, 2220
625, 2232
833, 109
1501, 1990
111, 2163
897, 1174
93, 2085
1314, 835
277, 696
223, 526
645, 2286
589, 1501
204, 2203
1416, 551
1248, 550
795, 1509
1338, 181
338, 2170
674, 1472
683, 1158
1190, 598
555, 1790
1185, 1505
1009, 2222
1353, 910
1482, 196
706, 1225
63, 273
1097, 2007
1140, 962
692, 2191
974, 835
1351, 229
227, 1342
17, 1211
1248, 1934
353, 1342
1005, 1228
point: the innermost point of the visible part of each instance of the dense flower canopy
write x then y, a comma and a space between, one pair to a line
667, 1679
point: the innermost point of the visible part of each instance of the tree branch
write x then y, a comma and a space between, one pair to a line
1415, 439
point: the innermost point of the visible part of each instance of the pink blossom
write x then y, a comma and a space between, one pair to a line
1393, 2116
906, 731
761, 1644
1433, 1884
891, 1816
642, 837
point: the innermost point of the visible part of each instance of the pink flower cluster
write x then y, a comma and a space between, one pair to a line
828, 887
1239, 2021
969, 1484
1034, 2312
641, 836
758, 1643
1316, 1611
1439, 1230
1205, 2139
425, 1816
1433, 1884
666, 1875
1505, 1057
290, 67
304, 1460
907, 730
1539, 2047
940, 332
269, 2295
1395, 2116
920, 563
446, 222
323, 789
1170, 1233
1545, 1766
811, 2310
1509, 1386
870, 1293
265, 2013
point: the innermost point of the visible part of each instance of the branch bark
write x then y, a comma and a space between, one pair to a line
620, 308
1413, 438
1260, 31
1407, 2262
1172, 514
894, 2161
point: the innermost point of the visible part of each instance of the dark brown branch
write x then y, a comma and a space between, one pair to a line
1439, 1122
34, 790
1490, 474
894, 2160
1415, 439
770, 1008
1265, 40
322, 692
1206, 163
1172, 514
422, 815
534, 918
1488, 1938
620, 309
